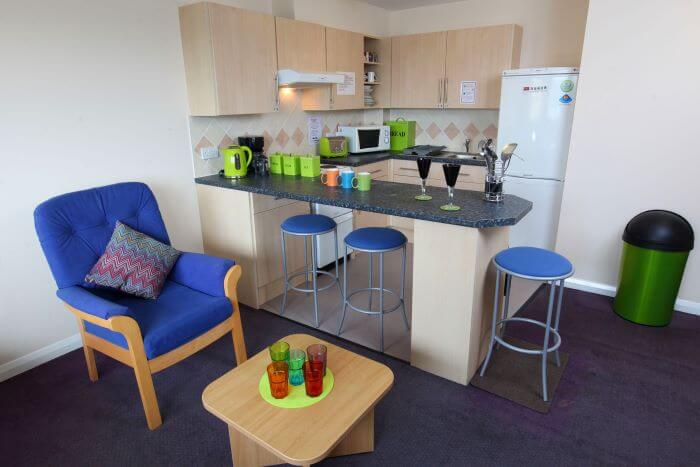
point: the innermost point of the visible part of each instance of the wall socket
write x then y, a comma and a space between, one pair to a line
209, 153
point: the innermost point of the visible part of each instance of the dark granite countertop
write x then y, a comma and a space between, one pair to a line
356, 160
396, 199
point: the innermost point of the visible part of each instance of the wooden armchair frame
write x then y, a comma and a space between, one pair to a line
135, 355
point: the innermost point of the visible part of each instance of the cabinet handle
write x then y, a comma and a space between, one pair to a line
276, 105
375, 171
439, 92
444, 93
408, 168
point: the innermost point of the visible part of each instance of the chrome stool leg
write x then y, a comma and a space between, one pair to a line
286, 278
306, 261
314, 279
381, 301
550, 307
556, 319
337, 266
345, 289
506, 300
403, 288
493, 323
370, 282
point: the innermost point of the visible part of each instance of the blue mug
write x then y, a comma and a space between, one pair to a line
347, 179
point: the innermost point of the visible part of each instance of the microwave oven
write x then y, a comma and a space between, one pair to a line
366, 138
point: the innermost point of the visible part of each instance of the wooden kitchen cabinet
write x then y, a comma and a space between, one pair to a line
344, 52
301, 46
418, 70
480, 55
230, 60
380, 171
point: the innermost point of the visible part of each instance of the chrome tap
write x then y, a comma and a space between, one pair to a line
467, 143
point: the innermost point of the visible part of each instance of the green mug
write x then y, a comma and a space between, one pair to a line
364, 181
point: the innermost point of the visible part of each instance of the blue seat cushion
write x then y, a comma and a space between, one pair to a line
533, 262
375, 238
177, 316
308, 224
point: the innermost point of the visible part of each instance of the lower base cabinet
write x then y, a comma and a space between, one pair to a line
246, 227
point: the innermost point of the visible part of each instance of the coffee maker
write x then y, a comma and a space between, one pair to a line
257, 145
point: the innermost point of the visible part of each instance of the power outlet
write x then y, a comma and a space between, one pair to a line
209, 153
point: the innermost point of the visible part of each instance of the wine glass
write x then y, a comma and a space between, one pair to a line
451, 174
423, 170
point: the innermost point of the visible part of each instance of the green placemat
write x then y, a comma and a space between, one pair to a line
297, 397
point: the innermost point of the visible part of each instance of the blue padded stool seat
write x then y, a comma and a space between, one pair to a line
375, 238
308, 224
533, 262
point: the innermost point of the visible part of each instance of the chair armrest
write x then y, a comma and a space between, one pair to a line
202, 272
83, 300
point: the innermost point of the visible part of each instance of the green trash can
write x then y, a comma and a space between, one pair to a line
655, 249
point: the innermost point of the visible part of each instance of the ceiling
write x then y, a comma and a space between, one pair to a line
395, 5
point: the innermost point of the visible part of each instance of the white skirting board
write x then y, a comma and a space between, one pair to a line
686, 306
39, 356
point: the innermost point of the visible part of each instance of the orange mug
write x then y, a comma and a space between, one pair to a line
332, 176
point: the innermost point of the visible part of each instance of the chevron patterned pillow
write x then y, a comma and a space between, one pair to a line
134, 263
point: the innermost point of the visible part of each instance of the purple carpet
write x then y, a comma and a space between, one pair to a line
630, 396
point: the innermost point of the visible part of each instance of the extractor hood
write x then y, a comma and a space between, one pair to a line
299, 79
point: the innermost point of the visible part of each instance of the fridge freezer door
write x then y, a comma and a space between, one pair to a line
539, 227
537, 112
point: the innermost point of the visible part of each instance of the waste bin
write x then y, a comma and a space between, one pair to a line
655, 249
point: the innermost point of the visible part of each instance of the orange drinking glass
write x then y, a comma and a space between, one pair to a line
313, 379
277, 373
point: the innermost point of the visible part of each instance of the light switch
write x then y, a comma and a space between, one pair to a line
209, 153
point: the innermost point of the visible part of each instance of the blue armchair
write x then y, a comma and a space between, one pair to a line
197, 306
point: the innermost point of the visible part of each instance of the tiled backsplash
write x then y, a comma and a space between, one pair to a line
287, 131
451, 127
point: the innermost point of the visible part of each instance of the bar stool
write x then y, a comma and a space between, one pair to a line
533, 264
375, 240
308, 226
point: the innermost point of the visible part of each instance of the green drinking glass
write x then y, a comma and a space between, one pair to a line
279, 352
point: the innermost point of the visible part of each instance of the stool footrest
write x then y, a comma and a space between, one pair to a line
309, 272
554, 334
370, 312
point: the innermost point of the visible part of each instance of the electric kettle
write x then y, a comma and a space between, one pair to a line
236, 161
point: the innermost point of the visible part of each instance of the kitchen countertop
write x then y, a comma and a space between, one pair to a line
356, 160
391, 198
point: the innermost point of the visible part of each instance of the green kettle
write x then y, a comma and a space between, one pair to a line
236, 161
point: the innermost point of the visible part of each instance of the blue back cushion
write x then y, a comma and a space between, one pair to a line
74, 228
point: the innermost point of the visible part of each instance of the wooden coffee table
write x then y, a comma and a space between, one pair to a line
340, 424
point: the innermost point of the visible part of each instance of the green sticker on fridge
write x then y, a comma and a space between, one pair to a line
403, 134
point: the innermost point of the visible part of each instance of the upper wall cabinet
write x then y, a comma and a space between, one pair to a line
427, 70
480, 55
344, 52
418, 70
230, 60
300, 46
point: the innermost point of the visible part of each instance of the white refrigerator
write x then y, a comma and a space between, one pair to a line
537, 110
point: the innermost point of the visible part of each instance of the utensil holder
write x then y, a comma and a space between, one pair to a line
493, 189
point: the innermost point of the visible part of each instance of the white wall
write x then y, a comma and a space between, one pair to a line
634, 141
350, 15
552, 29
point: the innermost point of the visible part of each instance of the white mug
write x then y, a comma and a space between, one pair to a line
371, 76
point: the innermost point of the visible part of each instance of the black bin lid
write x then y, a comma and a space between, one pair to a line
659, 230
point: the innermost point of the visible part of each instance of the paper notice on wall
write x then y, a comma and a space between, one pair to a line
467, 92
347, 88
314, 125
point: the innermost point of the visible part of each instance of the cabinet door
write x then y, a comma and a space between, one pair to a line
301, 46
480, 55
268, 244
370, 219
417, 70
245, 60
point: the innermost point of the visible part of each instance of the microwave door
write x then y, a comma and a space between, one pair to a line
368, 139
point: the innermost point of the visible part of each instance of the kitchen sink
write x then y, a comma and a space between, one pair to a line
463, 156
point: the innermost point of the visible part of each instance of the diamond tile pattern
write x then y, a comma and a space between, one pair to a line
298, 136
471, 131
419, 130
226, 141
203, 143
282, 138
268, 140
491, 131
451, 130
433, 130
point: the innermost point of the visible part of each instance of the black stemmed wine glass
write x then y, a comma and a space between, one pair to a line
451, 174
423, 170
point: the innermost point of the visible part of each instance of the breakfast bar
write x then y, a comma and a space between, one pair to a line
453, 280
